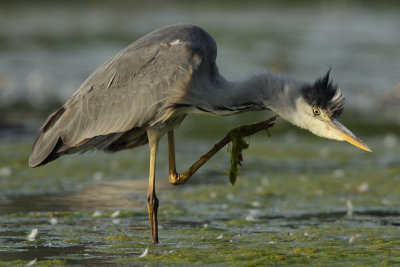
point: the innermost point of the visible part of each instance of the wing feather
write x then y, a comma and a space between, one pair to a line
133, 89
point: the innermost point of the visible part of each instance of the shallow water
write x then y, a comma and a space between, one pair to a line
290, 205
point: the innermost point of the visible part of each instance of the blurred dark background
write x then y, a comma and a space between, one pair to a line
48, 48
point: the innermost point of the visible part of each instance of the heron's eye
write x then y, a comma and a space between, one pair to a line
316, 111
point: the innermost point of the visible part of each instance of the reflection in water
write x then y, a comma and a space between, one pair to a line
124, 194
38, 252
59, 241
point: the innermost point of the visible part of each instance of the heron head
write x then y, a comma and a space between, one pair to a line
318, 108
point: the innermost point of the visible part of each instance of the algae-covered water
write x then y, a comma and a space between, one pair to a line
299, 200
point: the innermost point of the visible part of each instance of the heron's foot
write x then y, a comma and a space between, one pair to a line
152, 205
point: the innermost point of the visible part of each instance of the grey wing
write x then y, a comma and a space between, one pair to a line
132, 90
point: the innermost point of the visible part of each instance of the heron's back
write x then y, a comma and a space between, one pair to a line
138, 88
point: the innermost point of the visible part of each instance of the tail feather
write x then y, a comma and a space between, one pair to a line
48, 141
52, 141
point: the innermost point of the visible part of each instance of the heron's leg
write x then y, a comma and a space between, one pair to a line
181, 178
173, 175
152, 201
245, 130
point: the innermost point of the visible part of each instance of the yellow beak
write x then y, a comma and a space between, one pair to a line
347, 135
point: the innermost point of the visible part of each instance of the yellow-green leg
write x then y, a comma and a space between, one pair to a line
152, 200
181, 178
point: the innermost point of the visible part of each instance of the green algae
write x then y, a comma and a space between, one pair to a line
238, 145
271, 249
289, 208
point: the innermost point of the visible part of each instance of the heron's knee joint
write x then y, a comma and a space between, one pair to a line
175, 179
152, 201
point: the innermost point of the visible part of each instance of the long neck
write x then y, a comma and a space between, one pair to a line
261, 91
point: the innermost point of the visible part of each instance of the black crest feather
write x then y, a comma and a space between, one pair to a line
324, 94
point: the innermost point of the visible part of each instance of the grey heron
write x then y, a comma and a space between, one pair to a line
147, 89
